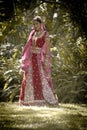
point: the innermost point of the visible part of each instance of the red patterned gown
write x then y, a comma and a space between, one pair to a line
36, 88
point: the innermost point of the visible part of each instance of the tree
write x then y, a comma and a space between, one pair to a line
68, 47
77, 9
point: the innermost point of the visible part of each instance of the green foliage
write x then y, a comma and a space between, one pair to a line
69, 61
69, 54
10, 71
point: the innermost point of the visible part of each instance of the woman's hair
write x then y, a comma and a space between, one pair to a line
38, 19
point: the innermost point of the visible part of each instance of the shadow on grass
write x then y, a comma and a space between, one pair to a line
66, 117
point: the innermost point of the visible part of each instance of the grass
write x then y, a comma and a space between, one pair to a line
66, 117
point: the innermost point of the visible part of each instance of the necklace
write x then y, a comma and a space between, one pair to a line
38, 33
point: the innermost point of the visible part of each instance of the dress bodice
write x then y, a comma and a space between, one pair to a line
38, 41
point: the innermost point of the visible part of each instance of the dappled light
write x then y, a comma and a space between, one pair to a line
68, 41
68, 51
63, 117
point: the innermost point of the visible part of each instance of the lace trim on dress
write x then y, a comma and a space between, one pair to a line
35, 50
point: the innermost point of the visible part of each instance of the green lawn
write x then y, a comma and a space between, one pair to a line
65, 117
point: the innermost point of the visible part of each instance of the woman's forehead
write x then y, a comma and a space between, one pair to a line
35, 22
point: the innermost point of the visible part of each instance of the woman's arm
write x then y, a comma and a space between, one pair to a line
47, 58
47, 40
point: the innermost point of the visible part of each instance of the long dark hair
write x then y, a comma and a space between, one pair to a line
38, 19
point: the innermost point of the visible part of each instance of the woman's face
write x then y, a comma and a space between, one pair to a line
37, 25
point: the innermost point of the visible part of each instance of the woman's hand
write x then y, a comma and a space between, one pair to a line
44, 66
21, 71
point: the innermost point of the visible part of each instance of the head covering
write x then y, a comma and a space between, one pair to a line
37, 18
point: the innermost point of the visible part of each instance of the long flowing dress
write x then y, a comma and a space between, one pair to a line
37, 87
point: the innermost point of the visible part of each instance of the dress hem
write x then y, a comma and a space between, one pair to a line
36, 103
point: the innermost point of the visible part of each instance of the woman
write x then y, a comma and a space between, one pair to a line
37, 88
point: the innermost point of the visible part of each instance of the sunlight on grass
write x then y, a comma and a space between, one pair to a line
65, 117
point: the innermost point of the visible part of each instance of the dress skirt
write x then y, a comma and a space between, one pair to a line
36, 87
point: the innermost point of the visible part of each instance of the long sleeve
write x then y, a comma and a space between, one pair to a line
47, 55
